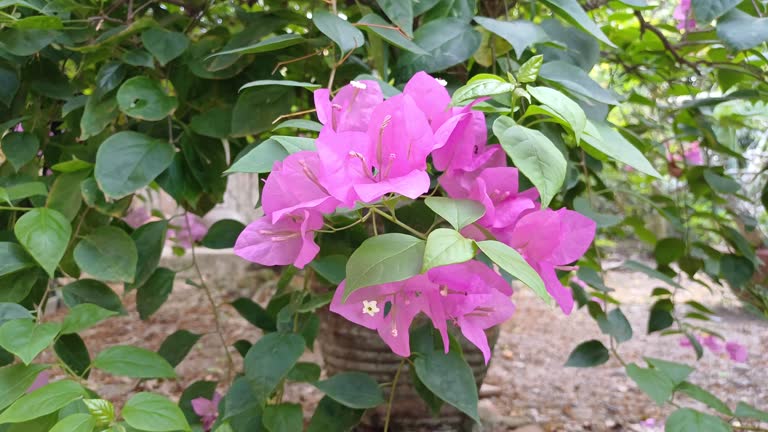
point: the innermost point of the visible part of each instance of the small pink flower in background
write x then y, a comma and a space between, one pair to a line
684, 16
191, 230
713, 344
42, 380
737, 352
692, 154
137, 216
18, 128
287, 241
207, 409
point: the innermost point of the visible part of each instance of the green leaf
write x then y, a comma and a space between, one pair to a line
304, 372
450, 378
571, 11
102, 410
669, 250
537, 158
72, 351
139, 58
98, 114
223, 234
44, 233
26, 190
399, 12
446, 246
65, 196
163, 44
659, 319
582, 205
133, 362
145, 99
654, 383
84, 316
333, 416
109, 77
9, 85
332, 268
461, 9
588, 354
149, 239
737, 270
457, 212
300, 124
15, 380
284, 83
128, 161
616, 325
514, 264
741, 31
151, 295
261, 158
258, 107
634, 265
707, 10
176, 346
214, 123
352, 389
78, 422
91, 291
705, 397
688, 420
447, 41
269, 360
154, 413
480, 88
744, 410
270, 44
576, 80
722, 184
107, 253
521, 34
42, 401
677, 372
386, 258
614, 145
255, 314
20, 148
285, 417
25, 43
563, 106
204, 389
344, 34
13, 311
394, 37
17, 286
13, 258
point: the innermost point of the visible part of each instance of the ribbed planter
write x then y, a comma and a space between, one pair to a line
349, 347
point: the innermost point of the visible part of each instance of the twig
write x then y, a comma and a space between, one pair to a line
392, 394
297, 113
9, 208
217, 321
644, 25
395, 28
283, 63
397, 222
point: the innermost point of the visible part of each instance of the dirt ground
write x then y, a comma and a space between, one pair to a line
527, 387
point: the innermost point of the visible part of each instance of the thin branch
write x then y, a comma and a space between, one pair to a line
283, 63
400, 224
392, 394
297, 113
644, 25
395, 28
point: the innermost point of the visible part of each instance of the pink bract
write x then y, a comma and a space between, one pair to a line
207, 410
351, 108
287, 241
737, 352
684, 15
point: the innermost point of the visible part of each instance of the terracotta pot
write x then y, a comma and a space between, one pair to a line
349, 347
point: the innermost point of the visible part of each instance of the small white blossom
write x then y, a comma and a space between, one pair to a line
358, 85
441, 81
370, 307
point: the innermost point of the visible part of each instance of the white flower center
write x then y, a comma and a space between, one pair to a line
441, 81
370, 307
358, 85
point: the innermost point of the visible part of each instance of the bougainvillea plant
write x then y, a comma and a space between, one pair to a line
535, 127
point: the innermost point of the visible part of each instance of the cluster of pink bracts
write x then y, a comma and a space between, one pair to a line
370, 147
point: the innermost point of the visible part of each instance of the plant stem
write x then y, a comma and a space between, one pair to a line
392, 394
9, 208
217, 321
398, 223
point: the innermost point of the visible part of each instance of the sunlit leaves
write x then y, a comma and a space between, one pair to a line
154, 413
44, 233
133, 362
384, 258
127, 161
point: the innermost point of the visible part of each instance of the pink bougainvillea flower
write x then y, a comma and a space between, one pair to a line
693, 155
712, 343
207, 410
497, 190
431, 97
387, 308
458, 183
474, 298
737, 352
294, 184
137, 216
191, 230
390, 157
684, 16
287, 241
548, 239
42, 380
351, 108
